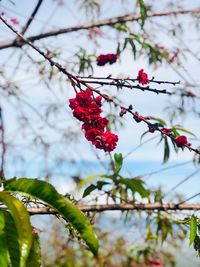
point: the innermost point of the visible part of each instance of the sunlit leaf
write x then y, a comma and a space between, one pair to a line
135, 185
34, 259
47, 193
118, 160
12, 241
143, 11
4, 254
22, 221
193, 229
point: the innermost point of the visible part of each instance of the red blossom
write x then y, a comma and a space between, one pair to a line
87, 109
108, 58
181, 141
97, 122
98, 100
93, 134
73, 103
111, 140
80, 113
14, 20
142, 77
107, 141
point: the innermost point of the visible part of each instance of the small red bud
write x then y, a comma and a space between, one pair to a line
181, 141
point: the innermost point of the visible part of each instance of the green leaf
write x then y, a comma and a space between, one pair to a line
193, 229
118, 160
100, 184
89, 189
12, 240
135, 185
133, 47
184, 130
90, 178
47, 193
143, 11
34, 259
166, 150
93, 187
4, 254
22, 221
161, 121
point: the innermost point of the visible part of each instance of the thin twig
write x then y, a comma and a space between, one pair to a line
31, 18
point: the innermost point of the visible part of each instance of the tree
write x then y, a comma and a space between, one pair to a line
53, 129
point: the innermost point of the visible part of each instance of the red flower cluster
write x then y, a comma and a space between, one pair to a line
142, 77
108, 58
181, 141
87, 109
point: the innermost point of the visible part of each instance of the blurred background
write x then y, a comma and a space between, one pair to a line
41, 139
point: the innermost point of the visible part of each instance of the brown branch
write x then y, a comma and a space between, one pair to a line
121, 207
31, 18
89, 25
121, 83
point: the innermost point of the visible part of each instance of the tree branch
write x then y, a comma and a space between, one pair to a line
25, 28
89, 25
121, 207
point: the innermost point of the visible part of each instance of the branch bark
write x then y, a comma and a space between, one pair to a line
122, 207
106, 22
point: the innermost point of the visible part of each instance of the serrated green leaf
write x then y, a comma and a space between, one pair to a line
47, 193
118, 160
193, 229
34, 259
135, 185
22, 221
